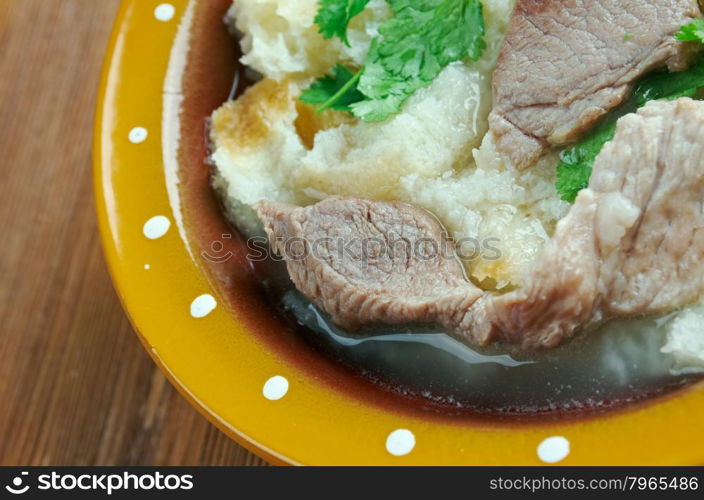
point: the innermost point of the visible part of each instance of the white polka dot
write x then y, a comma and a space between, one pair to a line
164, 12
554, 449
17, 481
156, 227
147, 266
400, 442
203, 305
275, 388
137, 135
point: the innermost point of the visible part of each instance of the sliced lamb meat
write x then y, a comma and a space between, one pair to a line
365, 262
633, 243
565, 63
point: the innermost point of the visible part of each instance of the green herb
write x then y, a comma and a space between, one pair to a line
576, 162
415, 45
412, 48
335, 15
692, 32
665, 85
384, 92
627, 36
336, 91
575, 166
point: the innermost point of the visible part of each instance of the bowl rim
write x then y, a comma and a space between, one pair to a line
663, 433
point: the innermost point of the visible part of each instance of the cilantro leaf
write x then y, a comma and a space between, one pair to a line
424, 36
414, 46
692, 32
384, 92
665, 85
335, 91
576, 162
378, 110
335, 15
575, 166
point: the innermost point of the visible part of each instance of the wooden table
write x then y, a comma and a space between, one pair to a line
76, 387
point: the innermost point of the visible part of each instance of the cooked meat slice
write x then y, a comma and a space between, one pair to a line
365, 262
633, 243
565, 63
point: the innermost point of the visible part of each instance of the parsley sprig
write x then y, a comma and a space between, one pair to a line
413, 47
335, 15
337, 91
692, 32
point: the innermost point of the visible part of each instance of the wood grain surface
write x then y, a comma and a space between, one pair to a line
76, 387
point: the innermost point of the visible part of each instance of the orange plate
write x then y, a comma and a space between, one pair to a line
149, 148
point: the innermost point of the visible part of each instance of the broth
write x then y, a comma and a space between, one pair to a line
616, 364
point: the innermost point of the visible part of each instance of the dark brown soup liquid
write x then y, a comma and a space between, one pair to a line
613, 365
